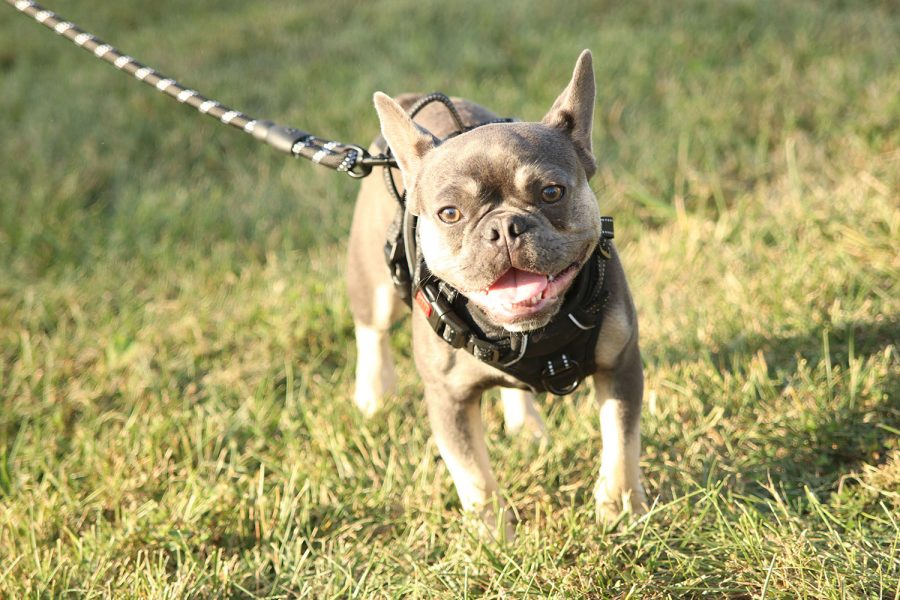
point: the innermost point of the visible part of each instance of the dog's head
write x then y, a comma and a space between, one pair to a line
505, 211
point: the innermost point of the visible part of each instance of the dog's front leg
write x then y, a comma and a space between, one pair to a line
375, 378
459, 434
618, 395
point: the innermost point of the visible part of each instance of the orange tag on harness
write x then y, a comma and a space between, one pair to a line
423, 303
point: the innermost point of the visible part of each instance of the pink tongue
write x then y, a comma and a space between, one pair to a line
515, 286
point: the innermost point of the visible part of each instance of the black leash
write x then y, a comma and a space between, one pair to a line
346, 158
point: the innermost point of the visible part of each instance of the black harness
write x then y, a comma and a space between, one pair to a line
554, 358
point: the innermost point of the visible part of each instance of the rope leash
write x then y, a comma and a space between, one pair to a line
351, 159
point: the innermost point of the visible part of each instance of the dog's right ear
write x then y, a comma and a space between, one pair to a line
408, 141
573, 111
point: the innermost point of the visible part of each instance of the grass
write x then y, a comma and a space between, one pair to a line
176, 351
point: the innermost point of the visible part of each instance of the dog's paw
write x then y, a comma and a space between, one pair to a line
367, 401
532, 428
521, 416
494, 523
372, 387
613, 502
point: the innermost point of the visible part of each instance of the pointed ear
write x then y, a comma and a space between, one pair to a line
573, 111
407, 141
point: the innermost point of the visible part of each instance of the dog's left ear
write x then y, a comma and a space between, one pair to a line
573, 111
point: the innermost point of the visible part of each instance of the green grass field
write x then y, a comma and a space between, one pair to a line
176, 351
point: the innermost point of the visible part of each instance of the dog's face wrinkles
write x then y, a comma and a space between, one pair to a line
521, 205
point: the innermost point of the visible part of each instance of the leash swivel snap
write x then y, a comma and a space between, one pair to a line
353, 164
362, 162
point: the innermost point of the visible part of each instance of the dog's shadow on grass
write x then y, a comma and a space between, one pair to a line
835, 432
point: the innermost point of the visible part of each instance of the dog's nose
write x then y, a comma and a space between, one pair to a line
509, 227
517, 225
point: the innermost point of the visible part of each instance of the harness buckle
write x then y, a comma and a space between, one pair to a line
484, 351
562, 376
455, 330
441, 317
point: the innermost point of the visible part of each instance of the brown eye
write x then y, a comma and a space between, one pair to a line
553, 193
449, 214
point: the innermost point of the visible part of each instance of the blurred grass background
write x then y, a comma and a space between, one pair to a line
176, 352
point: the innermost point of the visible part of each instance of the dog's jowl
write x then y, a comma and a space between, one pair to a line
513, 281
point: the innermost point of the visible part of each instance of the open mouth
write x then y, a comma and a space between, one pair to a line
518, 294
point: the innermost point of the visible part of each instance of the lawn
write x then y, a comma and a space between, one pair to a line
176, 352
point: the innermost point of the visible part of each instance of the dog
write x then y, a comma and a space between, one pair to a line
506, 219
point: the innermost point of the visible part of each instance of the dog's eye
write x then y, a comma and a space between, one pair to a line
553, 193
449, 214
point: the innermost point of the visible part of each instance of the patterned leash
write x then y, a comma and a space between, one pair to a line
346, 158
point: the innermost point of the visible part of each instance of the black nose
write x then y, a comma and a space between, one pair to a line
509, 227
517, 225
